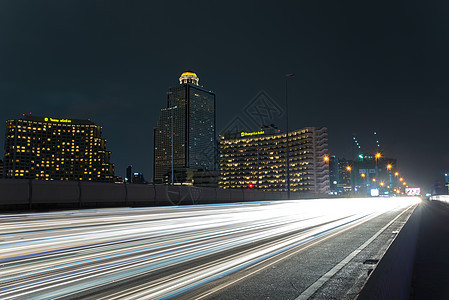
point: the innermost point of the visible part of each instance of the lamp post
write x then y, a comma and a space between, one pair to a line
396, 174
389, 167
348, 168
365, 180
378, 155
287, 162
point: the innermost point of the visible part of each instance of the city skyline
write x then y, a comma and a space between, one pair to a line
379, 70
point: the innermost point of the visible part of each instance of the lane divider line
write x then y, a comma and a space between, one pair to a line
323, 279
282, 256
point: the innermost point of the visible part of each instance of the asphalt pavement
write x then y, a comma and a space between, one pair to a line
430, 278
321, 249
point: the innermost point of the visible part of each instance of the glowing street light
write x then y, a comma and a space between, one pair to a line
378, 155
389, 166
326, 158
348, 168
396, 174
382, 184
401, 179
363, 175
374, 179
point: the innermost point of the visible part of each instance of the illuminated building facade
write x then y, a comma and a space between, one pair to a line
186, 128
56, 149
258, 158
369, 172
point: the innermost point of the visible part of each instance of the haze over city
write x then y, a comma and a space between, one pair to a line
224, 150
359, 68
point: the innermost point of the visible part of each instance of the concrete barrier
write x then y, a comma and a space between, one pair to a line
236, 196
102, 194
223, 195
271, 195
58, 192
188, 195
249, 195
207, 196
166, 195
15, 192
140, 194
34, 194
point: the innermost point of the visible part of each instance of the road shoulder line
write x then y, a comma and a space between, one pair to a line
323, 279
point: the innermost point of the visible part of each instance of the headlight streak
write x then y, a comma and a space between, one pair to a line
89, 249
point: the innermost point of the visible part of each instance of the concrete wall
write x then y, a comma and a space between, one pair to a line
34, 194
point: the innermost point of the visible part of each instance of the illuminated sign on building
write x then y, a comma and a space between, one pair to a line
413, 191
374, 192
57, 120
251, 133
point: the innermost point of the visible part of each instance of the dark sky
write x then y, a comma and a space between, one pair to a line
360, 66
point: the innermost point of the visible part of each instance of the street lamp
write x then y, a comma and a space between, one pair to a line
287, 76
389, 167
396, 174
365, 182
378, 155
348, 168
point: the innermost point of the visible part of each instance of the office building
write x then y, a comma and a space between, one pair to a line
56, 149
258, 159
184, 137
333, 175
138, 178
1, 168
129, 172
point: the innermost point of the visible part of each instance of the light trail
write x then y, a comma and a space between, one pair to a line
171, 250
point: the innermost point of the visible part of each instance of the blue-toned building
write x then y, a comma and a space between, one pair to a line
185, 138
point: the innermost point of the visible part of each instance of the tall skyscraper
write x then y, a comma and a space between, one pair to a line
184, 138
56, 149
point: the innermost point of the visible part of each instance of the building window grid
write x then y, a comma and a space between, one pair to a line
239, 164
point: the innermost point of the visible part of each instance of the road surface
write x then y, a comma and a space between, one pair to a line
277, 249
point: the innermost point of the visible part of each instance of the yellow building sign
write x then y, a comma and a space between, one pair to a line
58, 120
243, 133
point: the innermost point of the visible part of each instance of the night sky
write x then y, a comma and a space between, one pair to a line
359, 66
